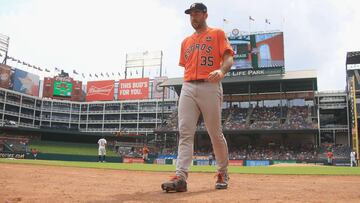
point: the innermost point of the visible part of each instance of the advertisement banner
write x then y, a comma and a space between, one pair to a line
255, 72
157, 90
236, 162
5, 76
77, 94
25, 82
257, 163
137, 88
12, 155
257, 51
130, 160
100, 90
48, 87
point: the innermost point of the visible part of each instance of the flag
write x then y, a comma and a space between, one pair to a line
75, 72
252, 19
267, 21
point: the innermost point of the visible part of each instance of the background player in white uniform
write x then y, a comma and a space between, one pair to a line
352, 159
102, 149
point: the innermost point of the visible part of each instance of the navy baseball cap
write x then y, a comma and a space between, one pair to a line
196, 6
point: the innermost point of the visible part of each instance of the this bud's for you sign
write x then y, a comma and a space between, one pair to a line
137, 88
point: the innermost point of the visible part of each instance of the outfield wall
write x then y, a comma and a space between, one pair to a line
70, 157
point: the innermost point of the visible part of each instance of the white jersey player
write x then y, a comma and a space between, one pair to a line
102, 149
352, 159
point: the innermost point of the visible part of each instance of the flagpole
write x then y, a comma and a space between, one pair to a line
250, 19
266, 25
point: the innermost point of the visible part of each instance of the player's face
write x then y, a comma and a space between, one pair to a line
197, 19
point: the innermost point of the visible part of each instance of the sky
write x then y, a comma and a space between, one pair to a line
95, 36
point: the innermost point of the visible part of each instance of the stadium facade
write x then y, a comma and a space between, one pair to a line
328, 112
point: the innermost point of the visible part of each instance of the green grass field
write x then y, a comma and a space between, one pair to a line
67, 148
280, 170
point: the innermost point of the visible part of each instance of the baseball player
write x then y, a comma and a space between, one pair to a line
330, 156
352, 159
206, 56
34, 152
145, 153
102, 149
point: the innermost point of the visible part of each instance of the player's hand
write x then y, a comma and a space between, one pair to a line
216, 76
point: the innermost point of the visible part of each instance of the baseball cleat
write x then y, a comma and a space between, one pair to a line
222, 180
175, 184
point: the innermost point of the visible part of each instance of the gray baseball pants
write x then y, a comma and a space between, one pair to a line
196, 98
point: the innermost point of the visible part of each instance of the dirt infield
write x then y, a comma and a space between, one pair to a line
33, 183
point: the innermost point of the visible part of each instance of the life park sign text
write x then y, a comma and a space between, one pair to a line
255, 72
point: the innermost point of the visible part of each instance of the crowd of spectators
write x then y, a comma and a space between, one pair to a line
340, 151
236, 119
266, 113
305, 152
171, 122
17, 144
265, 118
296, 117
270, 153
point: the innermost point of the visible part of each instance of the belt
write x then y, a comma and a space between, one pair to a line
198, 81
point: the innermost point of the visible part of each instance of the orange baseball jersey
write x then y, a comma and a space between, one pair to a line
202, 53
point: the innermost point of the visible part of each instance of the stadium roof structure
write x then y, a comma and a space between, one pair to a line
291, 81
353, 57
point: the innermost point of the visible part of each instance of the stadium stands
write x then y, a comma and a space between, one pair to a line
299, 153
340, 151
236, 118
14, 144
296, 117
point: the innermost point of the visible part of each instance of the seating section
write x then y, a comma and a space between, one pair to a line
236, 119
257, 118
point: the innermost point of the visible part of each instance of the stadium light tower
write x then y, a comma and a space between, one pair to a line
4, 46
